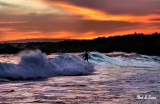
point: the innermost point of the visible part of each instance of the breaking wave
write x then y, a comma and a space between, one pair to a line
36, 65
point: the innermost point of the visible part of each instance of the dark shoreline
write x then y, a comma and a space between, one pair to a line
137, 43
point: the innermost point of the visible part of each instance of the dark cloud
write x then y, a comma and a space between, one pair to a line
155, 19
156, 25
133, 7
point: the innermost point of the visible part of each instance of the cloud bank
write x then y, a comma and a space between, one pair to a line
76, 19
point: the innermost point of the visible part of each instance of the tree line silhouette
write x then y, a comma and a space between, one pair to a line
137, 42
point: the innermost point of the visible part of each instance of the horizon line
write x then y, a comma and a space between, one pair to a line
63, 39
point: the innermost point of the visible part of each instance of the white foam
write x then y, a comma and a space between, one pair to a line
35, 64
97, 58
125, 60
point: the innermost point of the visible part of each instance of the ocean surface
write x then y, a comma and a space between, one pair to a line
32, 77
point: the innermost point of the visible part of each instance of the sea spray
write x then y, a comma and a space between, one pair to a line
35, 65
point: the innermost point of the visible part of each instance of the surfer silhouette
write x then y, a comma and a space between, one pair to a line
86, 56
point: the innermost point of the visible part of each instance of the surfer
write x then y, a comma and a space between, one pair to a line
86, 56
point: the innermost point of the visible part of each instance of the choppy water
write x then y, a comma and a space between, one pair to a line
109, 78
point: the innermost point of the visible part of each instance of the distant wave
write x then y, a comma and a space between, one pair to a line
124, 60
36, 65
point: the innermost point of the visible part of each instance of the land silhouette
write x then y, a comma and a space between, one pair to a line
148, 44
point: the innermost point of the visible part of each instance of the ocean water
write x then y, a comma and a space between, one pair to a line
109, 78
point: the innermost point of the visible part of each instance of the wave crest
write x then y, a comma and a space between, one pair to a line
35, 65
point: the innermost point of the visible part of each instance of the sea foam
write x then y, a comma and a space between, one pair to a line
36, 65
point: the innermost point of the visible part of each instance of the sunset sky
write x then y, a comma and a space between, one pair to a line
77, 19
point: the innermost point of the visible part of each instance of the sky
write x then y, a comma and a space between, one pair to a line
77, 19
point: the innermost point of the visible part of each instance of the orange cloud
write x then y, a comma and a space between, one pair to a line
34, 35
93, 14
11, 22
69, 35
92, 35
5, 29
8, 35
